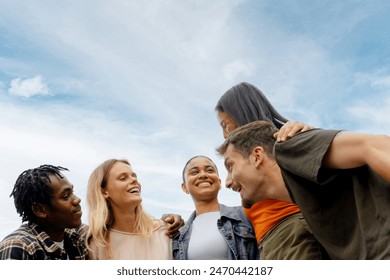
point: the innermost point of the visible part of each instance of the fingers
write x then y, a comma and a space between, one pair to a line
289, 129
168, 218
175, 222
306, 128
173, 234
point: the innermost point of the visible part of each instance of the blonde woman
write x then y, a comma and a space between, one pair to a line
119, 228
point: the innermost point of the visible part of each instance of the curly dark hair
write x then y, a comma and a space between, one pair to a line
32, 186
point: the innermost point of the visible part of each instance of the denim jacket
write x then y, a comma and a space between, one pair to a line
234, 227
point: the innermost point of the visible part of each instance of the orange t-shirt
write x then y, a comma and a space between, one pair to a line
265, 214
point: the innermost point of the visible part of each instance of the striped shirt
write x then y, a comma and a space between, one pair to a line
30, 242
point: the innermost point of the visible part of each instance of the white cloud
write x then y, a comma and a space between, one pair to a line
237, 68
378, 80
28, 87
372, 118
157, 71
80, 139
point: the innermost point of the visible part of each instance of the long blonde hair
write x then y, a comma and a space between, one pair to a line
100, 218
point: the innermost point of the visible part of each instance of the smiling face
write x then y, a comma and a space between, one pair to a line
201, 179
64, 210
123, 188
247, 176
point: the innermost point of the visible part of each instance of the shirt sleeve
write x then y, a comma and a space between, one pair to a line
303, 154
14, 250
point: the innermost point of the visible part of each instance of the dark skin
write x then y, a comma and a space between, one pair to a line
176, 222
63, 210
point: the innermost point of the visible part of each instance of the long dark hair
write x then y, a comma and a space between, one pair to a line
245, 103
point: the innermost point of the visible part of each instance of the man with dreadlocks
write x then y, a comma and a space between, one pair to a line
44, 199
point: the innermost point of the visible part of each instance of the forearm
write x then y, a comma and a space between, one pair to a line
378, 156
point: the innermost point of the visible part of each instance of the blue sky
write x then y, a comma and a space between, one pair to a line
84, 82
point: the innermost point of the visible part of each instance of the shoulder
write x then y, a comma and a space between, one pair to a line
159, 225
306, 146
24, 234
77, 236
76, 233
160, 230
312, 137
233, 212
226, 209
20, 243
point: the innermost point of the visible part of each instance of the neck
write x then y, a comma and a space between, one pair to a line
276, 184
124, 220
55, 235
206, 206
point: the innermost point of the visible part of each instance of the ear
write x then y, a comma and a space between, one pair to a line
39, 210
105, 194
258, 155
220, 183
184, 188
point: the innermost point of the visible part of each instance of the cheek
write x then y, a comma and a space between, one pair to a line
62, 209
231, 126
239, 174
236, 168
190, 181
225, 133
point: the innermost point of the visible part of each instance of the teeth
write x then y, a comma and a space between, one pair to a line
134, 190
204, 184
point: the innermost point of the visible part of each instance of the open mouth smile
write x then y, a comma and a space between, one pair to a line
135, 190
204, 184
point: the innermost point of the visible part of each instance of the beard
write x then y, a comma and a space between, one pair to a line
246, 203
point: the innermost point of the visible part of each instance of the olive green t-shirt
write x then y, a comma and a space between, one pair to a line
348, 210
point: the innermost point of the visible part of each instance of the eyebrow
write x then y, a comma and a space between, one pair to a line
67, 189
206, 166
126, 173
192, 168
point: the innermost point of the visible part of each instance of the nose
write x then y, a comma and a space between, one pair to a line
225, 133
76, 200
132, 179
229, 181
203, 173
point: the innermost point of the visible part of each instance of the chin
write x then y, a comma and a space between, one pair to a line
137, 201
75, 224
246, 203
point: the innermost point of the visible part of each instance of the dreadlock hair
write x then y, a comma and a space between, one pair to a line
32, 186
